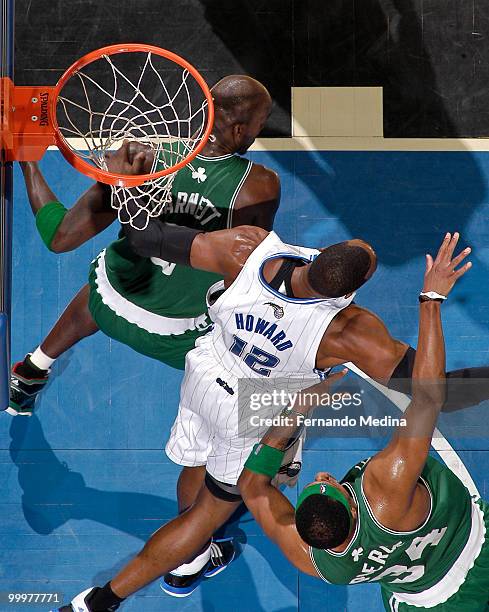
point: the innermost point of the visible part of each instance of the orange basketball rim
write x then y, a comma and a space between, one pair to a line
29, 124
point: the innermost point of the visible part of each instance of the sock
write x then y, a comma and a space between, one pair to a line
196, 564
40, 360
104, 598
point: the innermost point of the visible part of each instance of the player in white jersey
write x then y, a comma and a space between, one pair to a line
269, 321
259, 332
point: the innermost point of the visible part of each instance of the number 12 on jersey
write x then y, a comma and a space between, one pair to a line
257, 359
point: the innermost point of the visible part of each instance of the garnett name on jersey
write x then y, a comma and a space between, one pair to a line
267, 329
195, 204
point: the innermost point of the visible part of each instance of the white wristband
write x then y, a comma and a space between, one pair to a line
432, 295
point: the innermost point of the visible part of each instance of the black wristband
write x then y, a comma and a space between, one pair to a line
425, 298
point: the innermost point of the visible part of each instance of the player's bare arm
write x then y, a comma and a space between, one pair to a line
258, 199
90, 215
271, 509
225, 251
66, 229
360, 336
392, 477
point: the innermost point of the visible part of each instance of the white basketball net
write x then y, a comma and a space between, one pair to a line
97, 110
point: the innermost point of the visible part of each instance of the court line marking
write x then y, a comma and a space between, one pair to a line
439, 442
370, 143
350, 143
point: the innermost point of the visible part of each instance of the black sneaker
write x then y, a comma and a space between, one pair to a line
26, 382
182, 586
81, 603
222, 554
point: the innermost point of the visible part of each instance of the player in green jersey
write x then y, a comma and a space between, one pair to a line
400, 519
155, 307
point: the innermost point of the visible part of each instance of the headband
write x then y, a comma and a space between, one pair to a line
322, 488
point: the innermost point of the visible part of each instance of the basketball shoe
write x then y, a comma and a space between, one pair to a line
222, 554
81, 603
26, 382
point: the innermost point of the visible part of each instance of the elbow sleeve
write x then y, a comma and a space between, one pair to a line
169, 242
403, 373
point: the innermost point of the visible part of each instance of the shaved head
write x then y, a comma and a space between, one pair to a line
238, 98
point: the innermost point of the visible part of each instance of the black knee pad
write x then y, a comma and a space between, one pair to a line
222, 490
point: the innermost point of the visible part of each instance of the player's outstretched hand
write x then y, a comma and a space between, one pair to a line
442, 273
310, 398
132, 158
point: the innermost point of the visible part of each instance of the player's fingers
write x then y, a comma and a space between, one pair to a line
451, 245
429, 263
443, 248
124, 150
332, 378
460, 257
461, 271
138, 162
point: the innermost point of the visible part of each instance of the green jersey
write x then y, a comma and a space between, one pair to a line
407, 563
203, 198
156, 307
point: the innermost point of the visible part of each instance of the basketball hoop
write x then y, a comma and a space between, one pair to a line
134, 92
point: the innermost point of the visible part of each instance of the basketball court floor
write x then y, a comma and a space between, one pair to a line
85, 480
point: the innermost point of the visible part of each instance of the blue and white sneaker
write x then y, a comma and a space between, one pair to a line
222, 554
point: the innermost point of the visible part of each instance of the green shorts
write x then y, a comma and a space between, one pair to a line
168, 348
472, 596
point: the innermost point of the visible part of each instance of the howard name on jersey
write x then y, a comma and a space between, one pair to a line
260, 331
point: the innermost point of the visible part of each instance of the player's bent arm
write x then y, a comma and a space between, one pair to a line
275, 515
224, 251
272, 509
360, 336
393, 473
91, 214
258, 200
65, 229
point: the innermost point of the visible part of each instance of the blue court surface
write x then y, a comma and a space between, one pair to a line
85, 481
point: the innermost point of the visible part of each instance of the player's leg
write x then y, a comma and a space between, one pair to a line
178, 540
171, 545
185, 578
217, 553
189, 483
29, 377
189, 445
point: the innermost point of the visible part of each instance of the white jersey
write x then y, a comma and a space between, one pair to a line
259, 335
260, 331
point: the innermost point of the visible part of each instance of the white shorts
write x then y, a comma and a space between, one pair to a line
207, 430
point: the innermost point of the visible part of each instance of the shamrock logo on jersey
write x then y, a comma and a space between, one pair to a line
356, 554
199, 175
278, 311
